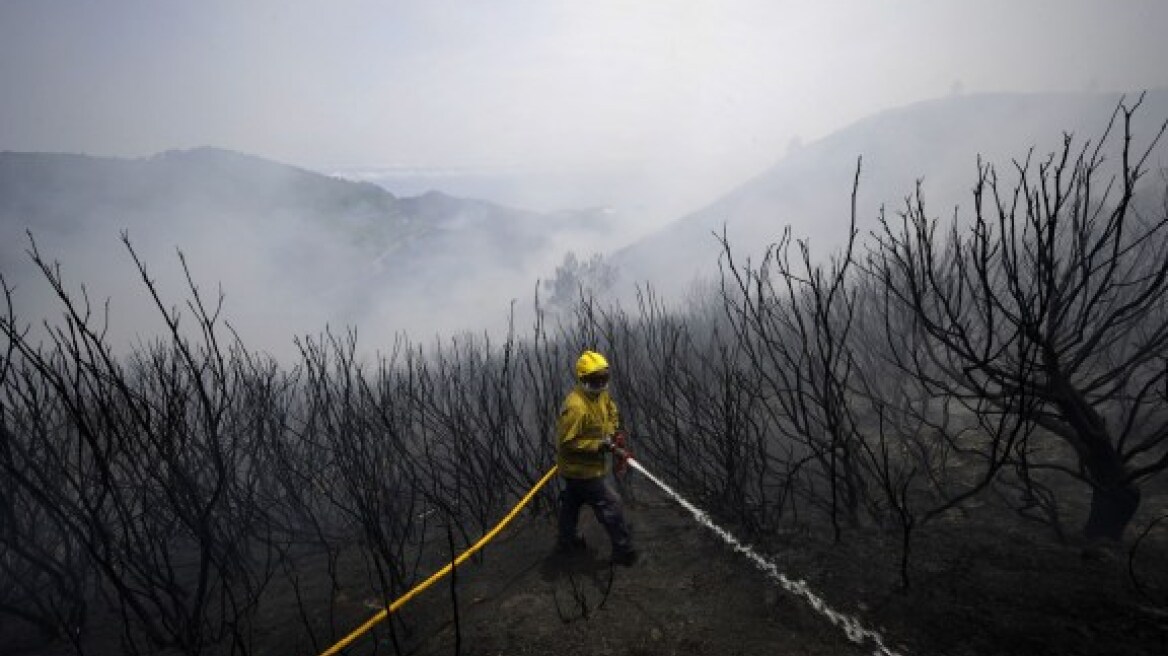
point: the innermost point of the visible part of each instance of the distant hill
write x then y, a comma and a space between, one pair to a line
294, 250
67, 193
936, 142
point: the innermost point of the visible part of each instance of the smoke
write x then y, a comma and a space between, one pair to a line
649, 108
272, 283
293, 253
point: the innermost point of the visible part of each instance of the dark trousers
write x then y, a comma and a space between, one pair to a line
598, 493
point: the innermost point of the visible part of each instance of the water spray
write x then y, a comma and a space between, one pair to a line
850, 625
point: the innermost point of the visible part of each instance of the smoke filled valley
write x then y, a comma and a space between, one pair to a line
953, 426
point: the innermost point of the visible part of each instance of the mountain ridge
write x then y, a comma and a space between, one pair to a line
936, 142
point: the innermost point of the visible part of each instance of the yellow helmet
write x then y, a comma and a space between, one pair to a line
589, 363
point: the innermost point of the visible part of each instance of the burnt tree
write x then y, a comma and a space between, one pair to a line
1053, 293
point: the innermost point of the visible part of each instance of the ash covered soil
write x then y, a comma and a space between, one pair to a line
983, 582
978, 587
687, 594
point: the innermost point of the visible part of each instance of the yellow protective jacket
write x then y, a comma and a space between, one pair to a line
584, 422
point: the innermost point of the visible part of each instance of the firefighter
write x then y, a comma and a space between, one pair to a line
587, 431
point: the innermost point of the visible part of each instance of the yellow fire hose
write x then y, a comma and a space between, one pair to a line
436, 576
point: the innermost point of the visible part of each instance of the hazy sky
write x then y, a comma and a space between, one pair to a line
700, 94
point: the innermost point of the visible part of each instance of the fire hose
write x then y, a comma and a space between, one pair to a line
436, 576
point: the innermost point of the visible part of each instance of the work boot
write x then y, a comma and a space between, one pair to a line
625, 557
576, 545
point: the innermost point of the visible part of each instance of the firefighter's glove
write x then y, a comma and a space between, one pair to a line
622, 460
620, 440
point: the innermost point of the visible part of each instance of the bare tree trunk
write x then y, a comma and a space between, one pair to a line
1112, 508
